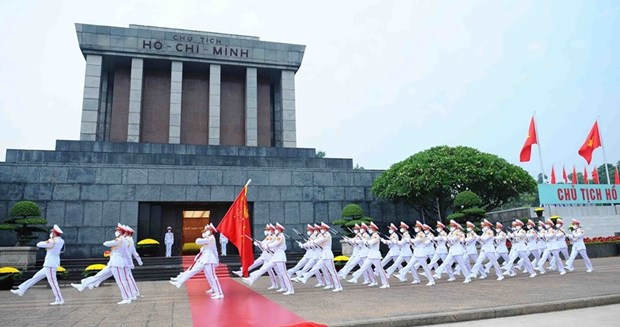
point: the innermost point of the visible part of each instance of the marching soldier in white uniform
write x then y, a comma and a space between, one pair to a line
471, 252
392, 244
324, 241
373, 259
500, 247
278, 261
207, 262
264, 258
456, 238
552, 250
532, 243
419, 242
131, 252
405, 250
315, 256
117, 263
355, 258
169, 241
430, 245
441, 250
579, 247
53, 247
487, 251
307, 255
520, 250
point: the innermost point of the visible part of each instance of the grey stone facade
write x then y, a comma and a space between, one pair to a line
87, 187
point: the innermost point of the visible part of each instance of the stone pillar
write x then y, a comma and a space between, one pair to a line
289, 135
214, 104
135, 100
176, 86
251, 107
90, 102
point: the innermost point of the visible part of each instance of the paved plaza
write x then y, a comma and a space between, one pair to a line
401, 305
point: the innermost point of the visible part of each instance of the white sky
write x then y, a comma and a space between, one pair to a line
380, 80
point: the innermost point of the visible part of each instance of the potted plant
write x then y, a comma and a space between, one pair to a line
8, 276
25, 221
92, 269
147, 247
62, 273
340, 261
190, 249
351, 214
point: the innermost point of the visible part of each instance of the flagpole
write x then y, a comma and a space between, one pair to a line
542, 167
603, 148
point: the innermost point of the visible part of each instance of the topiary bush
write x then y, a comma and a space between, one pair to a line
25, 221
351, 214
467, 205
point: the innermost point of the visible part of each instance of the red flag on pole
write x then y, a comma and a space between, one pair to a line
616, 176
585, 176
552, 175
526, 151
574, 175
236, 227
595, 176
564, 175
592, 142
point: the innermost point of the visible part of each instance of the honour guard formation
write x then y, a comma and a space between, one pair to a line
533, 249
460, 252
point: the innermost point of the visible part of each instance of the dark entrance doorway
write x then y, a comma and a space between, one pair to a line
187, 220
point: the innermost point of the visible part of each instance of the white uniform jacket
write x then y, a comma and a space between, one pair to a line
209, 250
117, 250
53, 246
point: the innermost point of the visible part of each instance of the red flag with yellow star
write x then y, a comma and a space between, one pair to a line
526, 151
593, 141
236, 227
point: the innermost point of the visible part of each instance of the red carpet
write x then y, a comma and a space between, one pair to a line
241, 306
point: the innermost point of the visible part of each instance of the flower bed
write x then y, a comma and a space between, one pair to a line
602, 240
8, 276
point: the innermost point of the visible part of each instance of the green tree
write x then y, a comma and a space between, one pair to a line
351, 214
25, 221
320, 154
429, 180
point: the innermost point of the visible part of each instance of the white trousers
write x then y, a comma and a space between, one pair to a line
209, 270
436, 258
223, 248
45, 272
492, 257
300, 264
376, 263
121, 282
555, 254
280, 269
398, 264
573, 256
168, 250
353, 261
522, 255
329, 272
387, 260
97, 279
450, 259
131, 283
412, 266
